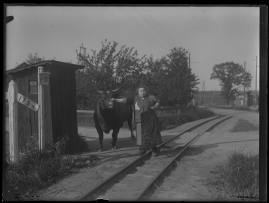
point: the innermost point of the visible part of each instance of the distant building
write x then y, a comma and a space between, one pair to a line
239, 99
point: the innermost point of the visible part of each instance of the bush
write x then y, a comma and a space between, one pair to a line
76, 144
239, 177
36, 169
187, 114
244, 126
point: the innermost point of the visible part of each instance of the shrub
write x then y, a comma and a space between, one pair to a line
187, 114
36, 169
76, 144
239, 177
244, 126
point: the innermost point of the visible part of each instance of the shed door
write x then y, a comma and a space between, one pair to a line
65, 105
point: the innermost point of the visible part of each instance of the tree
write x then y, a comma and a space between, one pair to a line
231, 76
34, 58
173, 80
108, 68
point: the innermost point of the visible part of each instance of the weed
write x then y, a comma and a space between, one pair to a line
36, 169
244, 126
239, 177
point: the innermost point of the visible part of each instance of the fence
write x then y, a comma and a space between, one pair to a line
209, 98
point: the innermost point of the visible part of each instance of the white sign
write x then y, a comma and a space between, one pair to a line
43, 78
27, 102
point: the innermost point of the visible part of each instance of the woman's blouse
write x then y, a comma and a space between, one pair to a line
141, 105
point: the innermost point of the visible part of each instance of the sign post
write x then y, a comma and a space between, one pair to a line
43, 79
13, 121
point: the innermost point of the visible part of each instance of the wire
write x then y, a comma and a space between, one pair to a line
229, 37
139, 14
158, 41
149, 23
160, 27
219, 32
131, 29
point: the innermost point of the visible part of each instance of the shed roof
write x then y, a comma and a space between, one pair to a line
36, 65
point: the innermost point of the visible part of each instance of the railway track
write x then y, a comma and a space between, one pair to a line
145, 172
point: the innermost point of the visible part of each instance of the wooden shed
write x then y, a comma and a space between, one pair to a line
59, 99
239, 99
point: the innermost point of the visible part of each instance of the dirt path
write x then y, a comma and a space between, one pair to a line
189, 181
191, 178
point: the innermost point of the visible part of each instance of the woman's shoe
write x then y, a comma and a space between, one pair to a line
142, 152
155, 151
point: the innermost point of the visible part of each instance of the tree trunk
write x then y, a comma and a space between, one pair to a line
228, 101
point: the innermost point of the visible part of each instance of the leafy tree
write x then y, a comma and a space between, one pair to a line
173, 80
169, 78
231, 77
108, 68
34, 58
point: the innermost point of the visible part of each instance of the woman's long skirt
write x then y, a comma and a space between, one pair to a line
150, 130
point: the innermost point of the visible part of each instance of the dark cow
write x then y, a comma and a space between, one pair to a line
110, 115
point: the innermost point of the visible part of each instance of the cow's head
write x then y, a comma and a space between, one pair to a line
106, 95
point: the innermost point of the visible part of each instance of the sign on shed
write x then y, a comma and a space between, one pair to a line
43, 78
27, 102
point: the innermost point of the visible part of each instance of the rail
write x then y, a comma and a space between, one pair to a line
113, 178
142, 194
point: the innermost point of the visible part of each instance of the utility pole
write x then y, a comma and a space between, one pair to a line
256, 84
244, 82
204, 91
213, 97
190, 61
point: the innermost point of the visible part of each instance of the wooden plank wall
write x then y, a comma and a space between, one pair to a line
55, 104
28, 119
74, 102
64, 115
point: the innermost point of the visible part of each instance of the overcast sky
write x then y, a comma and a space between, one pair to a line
212, 35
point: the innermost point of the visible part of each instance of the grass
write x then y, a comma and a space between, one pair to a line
244, 126
37, 170
238, 179
186, 115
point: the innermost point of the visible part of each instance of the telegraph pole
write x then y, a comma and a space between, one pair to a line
256, 84
190, 61
204, 92
244, 82
213, 97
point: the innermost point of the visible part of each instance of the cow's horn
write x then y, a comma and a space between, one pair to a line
116, 90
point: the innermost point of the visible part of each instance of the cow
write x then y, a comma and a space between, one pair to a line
110, 115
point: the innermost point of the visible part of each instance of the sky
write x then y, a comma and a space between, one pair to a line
212, 35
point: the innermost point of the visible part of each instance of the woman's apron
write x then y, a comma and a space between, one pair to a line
137, 121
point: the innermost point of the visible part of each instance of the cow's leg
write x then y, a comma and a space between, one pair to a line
101, 136
114, 138
129, 121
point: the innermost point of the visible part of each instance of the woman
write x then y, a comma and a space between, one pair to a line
147, 128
